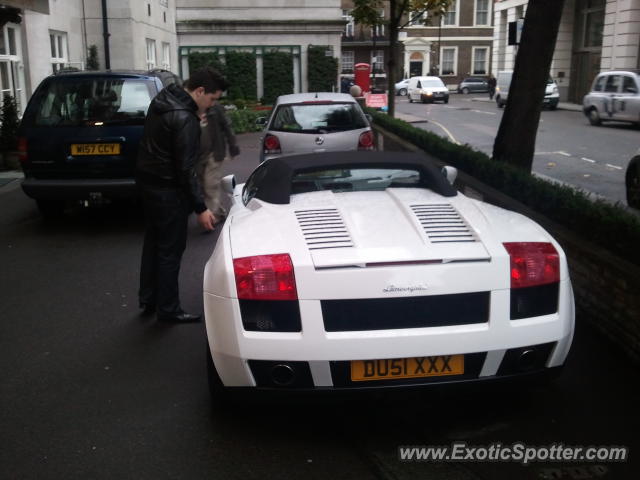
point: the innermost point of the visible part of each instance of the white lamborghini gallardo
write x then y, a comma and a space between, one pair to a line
368, 270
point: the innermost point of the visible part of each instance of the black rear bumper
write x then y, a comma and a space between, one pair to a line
78, 189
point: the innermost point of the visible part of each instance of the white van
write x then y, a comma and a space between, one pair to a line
503, 81
427, 89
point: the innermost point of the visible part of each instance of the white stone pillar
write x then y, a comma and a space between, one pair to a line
260, 73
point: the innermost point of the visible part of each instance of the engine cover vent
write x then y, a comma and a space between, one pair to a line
323, 228
443, 224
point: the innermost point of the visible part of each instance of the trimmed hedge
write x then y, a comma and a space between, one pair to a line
241, 72
322, 70
198, 60
277, 75
598, 221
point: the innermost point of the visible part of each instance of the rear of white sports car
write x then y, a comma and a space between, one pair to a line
395, 286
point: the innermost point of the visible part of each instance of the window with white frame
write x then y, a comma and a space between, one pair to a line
480, 60
450, 17
348, 59
377, 60
59, 56
482, 12
378, 30
349, 28
11, 73
448, 60
151, 53
166, 56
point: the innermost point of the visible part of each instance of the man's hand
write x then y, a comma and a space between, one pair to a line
207, 220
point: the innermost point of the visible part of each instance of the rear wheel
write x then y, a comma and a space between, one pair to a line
632, 181
594, 117
465, 90
446, 100
50, 208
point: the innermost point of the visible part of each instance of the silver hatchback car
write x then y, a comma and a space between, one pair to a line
614, 96
315, 122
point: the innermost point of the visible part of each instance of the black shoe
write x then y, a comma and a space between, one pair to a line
147, 308
182, 317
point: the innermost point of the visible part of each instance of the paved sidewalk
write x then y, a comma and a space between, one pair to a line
9, 176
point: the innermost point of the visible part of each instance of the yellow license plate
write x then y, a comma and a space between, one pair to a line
95, 149
393, 368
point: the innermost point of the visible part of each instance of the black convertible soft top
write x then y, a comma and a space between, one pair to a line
272, 181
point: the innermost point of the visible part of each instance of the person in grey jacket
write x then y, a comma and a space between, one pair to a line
217, 134
166, 179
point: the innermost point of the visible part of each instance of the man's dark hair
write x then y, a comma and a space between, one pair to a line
208, 78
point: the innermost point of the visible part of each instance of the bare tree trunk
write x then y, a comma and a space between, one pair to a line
516, 139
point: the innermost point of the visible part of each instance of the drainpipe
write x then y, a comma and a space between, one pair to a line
106, 35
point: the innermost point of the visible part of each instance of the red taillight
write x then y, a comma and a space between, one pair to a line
265, 277
22, 149
271, 144
365, 142
533, 263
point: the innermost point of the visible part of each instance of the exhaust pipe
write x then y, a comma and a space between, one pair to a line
283, 375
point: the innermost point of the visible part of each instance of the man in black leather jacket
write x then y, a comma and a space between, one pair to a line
169, 188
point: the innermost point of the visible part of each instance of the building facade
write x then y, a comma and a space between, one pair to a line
452, 45
364, 44
259, 26
594, 36
51, 35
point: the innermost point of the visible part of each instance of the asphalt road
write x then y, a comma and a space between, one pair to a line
92, 390
568, 149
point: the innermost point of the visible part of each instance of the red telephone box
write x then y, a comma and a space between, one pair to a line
362, 76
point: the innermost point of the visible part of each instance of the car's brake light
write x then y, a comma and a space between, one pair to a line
271, 144
22, 149
265, 277
533, 263
365, 142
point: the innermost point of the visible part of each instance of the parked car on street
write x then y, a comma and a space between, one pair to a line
372, 271
427, 89
632, 181
78, 139
614, 96
313, 123
473, 85
401, 87
551, 94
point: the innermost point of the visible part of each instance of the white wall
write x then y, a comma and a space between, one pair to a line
621, 37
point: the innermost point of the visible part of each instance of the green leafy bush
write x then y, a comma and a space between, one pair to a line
244, 121
198, 60
598, 221
322, 70
241, 73
277, 75
10, 123
92, 58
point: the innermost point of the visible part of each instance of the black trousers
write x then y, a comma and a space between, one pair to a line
166, 213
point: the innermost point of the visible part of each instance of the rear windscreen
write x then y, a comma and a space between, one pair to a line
355, 180
85, 101
318, 118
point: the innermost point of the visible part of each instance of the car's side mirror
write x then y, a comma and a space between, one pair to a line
450, 173
261, 121
228, 184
